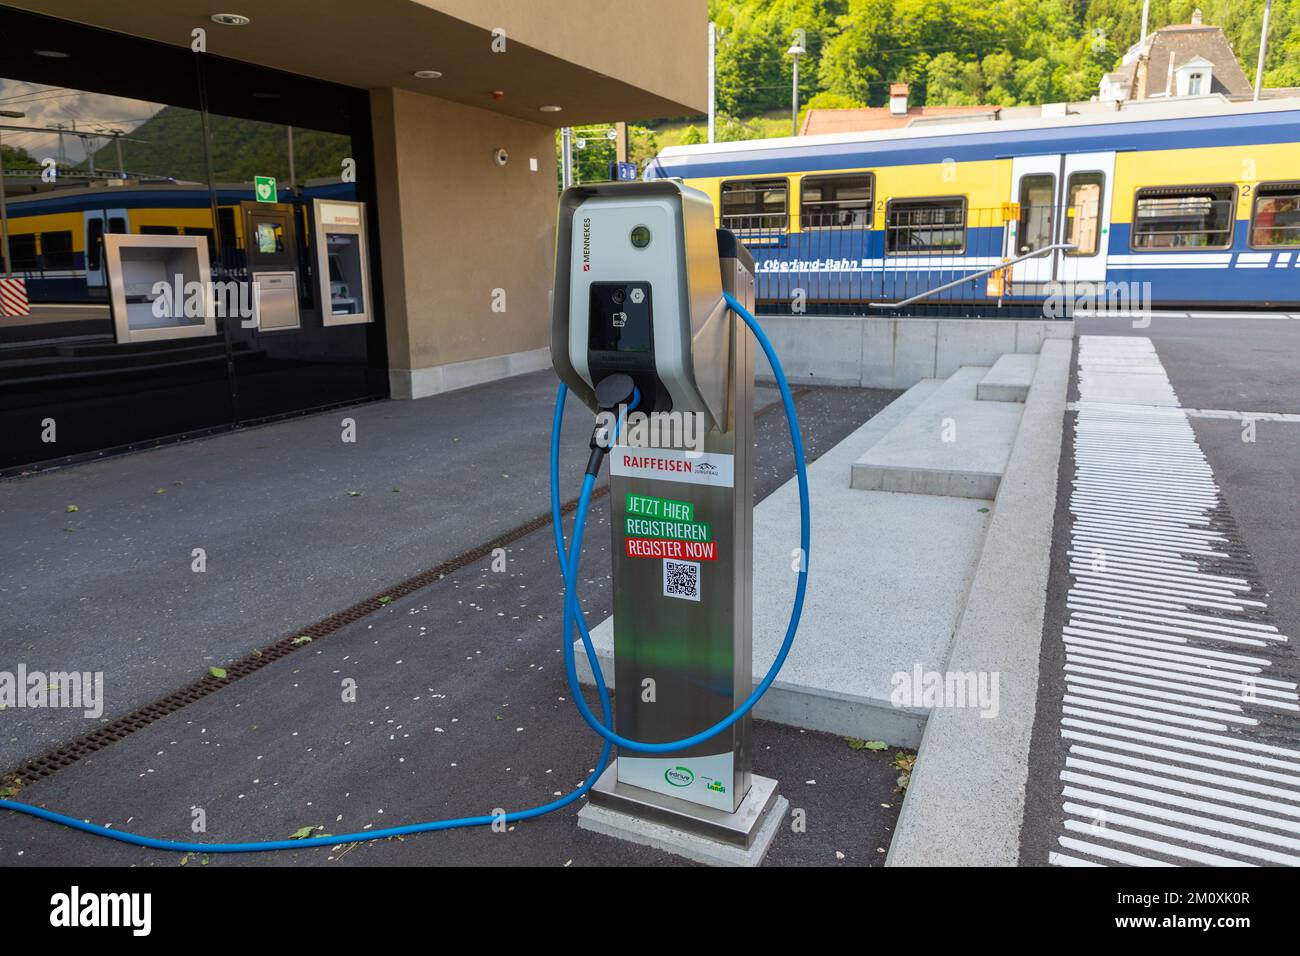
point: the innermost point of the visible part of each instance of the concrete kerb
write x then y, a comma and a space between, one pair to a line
967, 793
895, 351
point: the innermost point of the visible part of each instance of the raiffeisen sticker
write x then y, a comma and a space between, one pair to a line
692, 468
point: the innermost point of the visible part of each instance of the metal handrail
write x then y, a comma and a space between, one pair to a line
976, 275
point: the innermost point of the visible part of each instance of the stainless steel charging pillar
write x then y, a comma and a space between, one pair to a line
682, 520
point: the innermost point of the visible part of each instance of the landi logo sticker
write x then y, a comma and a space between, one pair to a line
679, 776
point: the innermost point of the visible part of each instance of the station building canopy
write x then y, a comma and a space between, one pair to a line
642, 61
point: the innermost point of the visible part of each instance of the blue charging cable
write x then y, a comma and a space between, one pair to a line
574, 619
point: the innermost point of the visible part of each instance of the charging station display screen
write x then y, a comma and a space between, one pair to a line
620, 317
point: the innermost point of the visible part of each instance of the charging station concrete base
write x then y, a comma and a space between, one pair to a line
699, 833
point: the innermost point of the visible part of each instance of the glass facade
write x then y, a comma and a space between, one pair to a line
162, 210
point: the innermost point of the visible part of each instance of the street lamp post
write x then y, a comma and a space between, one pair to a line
713, 82
796, 50
1263, 48
4, 206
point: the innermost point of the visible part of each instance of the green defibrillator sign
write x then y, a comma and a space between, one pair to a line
264, 188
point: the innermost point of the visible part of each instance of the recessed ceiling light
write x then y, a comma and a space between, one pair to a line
261, 95
550, 109
52, 54
426, 74
231, 19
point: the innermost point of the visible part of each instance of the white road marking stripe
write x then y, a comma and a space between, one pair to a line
1188, 744
1157, 699
1203, 621
1064, 859
1110, 853
1157, 846
1196, 820
1074, 696
1123, 772
1123, 643
1131, 722
1152, 685
1241, 689
1144, 626
1092, 643
1190, 836
1079, 652
1186, 758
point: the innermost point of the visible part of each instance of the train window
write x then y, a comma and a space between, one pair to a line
117, 224
22, 247
207, 234
1184, 217
1037, 212
56, 250
1276, 219
756, 205
1083, 196
829, 202
914, 226
159, 231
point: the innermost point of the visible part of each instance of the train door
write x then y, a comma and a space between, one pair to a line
1062, 200
1086, 195
99, 222
1034, 184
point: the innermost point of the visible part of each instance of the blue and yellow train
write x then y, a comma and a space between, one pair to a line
56, 237
1195, 203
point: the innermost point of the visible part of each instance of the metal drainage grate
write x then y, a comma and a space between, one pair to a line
65, 755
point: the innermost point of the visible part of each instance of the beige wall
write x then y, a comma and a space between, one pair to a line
454, 226
662, 46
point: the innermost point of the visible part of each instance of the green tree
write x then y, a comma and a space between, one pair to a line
692, 135
15, 157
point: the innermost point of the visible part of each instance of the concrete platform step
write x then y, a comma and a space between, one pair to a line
950, 444
867, 625
1008, 380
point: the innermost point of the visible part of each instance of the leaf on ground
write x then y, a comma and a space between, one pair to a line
386, 599
300, 640
72, 508
161, 491
354, 494
217, 672
982, 511
856, 744
904, 762
303, 833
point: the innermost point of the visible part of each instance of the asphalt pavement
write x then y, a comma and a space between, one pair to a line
460, 703
1149, 675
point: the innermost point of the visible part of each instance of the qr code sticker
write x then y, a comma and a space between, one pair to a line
682, 579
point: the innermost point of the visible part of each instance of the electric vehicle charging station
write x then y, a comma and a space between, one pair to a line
640, 277
646, 301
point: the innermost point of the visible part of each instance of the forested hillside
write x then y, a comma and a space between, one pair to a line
170, 143
956, 52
